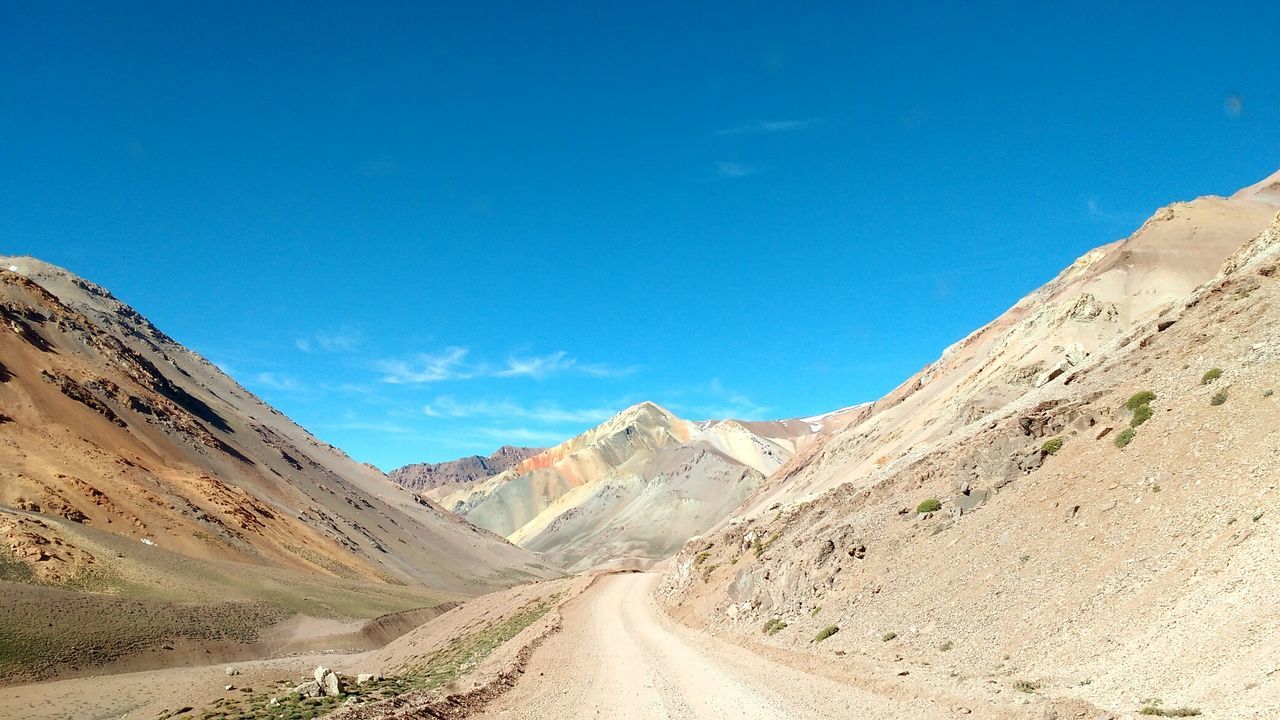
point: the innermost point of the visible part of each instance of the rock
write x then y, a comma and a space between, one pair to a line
1075, 353
232, 672
274, 701
309, 689
363, 678
230, 687
352, 700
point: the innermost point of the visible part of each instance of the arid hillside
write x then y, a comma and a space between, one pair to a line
132, 467
632, 490
1076, 501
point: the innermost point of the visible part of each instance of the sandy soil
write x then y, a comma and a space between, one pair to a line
620, 656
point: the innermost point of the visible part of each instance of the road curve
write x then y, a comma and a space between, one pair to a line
620, 656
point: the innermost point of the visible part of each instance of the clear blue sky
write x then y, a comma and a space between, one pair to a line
426, 231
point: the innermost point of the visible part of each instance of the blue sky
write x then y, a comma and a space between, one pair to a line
424, 231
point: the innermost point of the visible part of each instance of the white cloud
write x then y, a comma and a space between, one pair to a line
756, 127
1233, 105
727, 169
536, 367
343, 340
452, 364
376, 427
426, 368
546, 413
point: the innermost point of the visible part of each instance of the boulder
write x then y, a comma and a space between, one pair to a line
363, 678
309, 689
329, 681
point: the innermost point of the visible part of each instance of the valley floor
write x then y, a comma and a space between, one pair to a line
620, 656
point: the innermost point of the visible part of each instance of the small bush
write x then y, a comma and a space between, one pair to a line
1168, 712
759, 547
826, 632
1124, 437
1138, 399
1141, 414
774, 626
1210, 375
888, 636
946, 646
813, 612
702, 557
1218, 397
1052, 445
1025, 686
930, 505
1268, 393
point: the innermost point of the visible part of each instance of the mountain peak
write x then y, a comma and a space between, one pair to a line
1266, 190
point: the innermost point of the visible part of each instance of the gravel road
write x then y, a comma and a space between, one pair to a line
620, 656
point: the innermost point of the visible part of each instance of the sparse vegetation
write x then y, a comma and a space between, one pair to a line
1268, 393
760, 547
701, 558
946, 645
1218, 397
1124, 437
813, 612
888, 636
826, 632
706, 571
1157, 711
437, 670
1138, 399
1210, 375
929, 505
1141, 414
1051, 446
773, 626
1026, 686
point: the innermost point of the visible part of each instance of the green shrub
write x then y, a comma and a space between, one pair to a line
702, 557
930, 505
1210, 375
888, 636
759, 547
1124, 437
1052, 445
1138, 399
946, 646
1025, 686
774, 626
813, 612
1218, 397
1268, 393
826, 632
1168, 712
1141, 414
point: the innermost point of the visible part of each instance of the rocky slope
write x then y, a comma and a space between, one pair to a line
1013, 518
107, 424
440, 479
632, 490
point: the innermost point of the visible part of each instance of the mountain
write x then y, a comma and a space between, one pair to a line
438, 479
1076, 498
111, 430
633, 489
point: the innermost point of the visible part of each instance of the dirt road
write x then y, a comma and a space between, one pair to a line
620, 656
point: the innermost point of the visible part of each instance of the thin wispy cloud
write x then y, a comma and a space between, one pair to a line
714, 401
453, 364
344, 340
426, 368
374, 427
757, 127
546, 413
729, 169
536, 367
273, 381
521, 435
